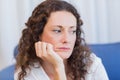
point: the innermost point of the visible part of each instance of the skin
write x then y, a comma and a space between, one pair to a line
57, 43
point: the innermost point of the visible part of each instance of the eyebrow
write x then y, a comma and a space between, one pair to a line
60, 26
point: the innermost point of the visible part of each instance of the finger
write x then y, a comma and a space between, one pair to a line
49, 48
43, 46
55, 58
38, 49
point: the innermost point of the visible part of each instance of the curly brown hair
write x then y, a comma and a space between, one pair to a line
77, 62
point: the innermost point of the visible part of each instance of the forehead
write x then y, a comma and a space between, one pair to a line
63, 18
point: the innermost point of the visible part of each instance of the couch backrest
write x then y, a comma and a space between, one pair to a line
110, 55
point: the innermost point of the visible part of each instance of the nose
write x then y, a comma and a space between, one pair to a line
66, 37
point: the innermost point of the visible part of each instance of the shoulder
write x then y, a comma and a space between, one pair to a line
34, 73
96, 61
96, 71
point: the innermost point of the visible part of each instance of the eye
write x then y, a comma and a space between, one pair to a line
57, 31
73, 32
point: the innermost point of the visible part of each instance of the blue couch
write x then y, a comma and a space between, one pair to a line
110, 54
7, 73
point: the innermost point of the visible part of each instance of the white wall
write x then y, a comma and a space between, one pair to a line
101, 22
113, 15
8, 22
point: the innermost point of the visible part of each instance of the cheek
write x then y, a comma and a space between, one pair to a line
73, 39
73, 42
50, 39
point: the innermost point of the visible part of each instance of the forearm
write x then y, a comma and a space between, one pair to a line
60, 73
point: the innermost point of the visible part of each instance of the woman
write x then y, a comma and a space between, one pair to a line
51, 47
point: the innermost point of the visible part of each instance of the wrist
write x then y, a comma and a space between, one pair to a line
60, 72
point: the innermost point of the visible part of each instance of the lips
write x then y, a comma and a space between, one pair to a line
63, 49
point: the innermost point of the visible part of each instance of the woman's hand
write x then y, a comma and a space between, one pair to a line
47, 54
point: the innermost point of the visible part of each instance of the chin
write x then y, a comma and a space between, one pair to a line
64, 55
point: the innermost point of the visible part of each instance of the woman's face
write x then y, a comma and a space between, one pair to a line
60, 31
